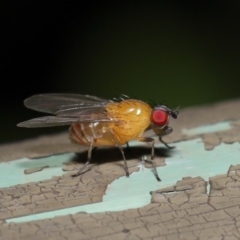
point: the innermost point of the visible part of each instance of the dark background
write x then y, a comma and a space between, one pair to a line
177, 52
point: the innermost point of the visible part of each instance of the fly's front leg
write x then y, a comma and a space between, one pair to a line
163, 132
150, 140
166, 130
88, 161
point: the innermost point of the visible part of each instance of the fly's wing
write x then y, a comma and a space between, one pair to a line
88, 116
68, 108
47, 121
65, 104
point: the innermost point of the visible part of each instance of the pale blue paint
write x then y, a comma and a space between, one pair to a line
216, 127
189, 159
12, 173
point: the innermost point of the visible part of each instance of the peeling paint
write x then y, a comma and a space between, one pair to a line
217, 127
13, 171
189, 159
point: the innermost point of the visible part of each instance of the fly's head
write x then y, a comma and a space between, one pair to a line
160, 116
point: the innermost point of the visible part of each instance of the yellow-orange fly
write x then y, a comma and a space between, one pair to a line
99, 122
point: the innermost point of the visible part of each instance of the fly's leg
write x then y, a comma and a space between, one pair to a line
169, 147
88, 161
151, 140
124, 159
163, 132
123, 155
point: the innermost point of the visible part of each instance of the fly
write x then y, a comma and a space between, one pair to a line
98, 122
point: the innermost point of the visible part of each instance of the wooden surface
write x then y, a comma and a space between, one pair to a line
198, 197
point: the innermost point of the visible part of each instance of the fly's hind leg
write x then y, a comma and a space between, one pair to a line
124, 159
150, 140
123, 155
88, 161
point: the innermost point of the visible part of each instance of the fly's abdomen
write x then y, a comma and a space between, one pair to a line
86, 133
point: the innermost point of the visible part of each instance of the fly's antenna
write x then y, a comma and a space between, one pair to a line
177, 108
183, 104
174, 113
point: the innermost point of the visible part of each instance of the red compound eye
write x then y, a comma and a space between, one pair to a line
159, 117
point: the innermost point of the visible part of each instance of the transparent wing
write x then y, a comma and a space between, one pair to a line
52, 121
68, 108
47, 121
65, 104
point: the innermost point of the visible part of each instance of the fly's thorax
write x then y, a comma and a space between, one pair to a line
130, 110
133, 117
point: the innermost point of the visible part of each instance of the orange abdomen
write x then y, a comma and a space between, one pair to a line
133, 118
